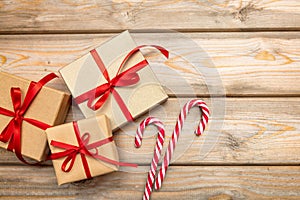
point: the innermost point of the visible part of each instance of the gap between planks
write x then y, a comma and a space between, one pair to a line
187, 31
112, 16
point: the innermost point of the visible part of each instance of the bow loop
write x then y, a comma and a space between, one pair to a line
15, 94
98, 104
83, 143
70, 153
86, 147
7, 132
70, 160
85, 138
125, 79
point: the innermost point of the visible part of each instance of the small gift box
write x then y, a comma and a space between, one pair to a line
83, 149
114, 79
27, 108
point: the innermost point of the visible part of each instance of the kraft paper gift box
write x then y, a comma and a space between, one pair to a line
84, 75
89, 131
49, 106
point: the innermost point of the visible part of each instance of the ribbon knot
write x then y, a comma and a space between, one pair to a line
12, 132
83, 149
84, 141
18, 115
122, 79
74, 150
110, 85
71, 151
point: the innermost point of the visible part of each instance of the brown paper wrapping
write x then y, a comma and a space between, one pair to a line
99, 129
50, 106
83, 75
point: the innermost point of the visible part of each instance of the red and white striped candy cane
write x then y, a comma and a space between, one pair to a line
175, 135
157, 150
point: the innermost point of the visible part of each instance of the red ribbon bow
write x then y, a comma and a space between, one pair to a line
83, 149
127, 78
12, 132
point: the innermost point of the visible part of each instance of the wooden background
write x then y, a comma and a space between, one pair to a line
254, 44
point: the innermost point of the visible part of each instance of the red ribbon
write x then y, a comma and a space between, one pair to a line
127, 78
83, 149
12, 132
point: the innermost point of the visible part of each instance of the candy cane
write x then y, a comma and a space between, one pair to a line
157, 150
175, 135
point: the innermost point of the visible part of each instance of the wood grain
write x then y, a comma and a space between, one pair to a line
248, 64
215, 182
252, 146
113, 16
252, 131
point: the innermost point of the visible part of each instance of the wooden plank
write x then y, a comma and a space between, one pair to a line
113, 16
205, 182
249, 64
253, 131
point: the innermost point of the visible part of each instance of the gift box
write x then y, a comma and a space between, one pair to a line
114, 79
26, 108
82, 149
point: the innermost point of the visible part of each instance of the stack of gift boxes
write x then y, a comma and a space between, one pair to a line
112, 85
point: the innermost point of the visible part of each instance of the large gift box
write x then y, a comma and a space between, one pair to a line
83, 149
114, 79
26, 109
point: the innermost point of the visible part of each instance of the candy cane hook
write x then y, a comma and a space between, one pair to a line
175, 135
157, 150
